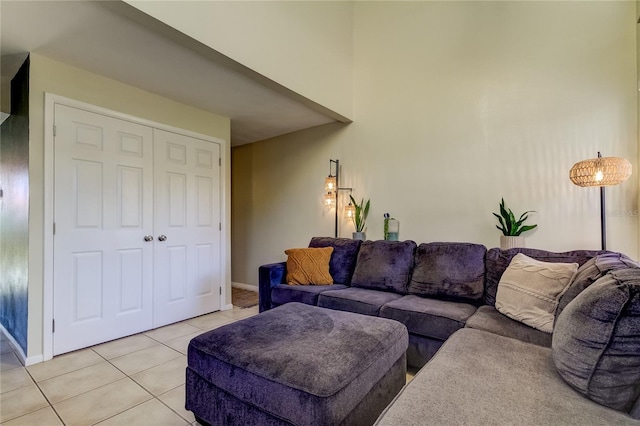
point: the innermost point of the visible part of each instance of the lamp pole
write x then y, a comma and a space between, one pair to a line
338, 189
337, 162
603, 216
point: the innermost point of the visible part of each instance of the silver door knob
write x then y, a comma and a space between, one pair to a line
148, 238
162, 238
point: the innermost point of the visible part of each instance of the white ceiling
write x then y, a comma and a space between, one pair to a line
116, 40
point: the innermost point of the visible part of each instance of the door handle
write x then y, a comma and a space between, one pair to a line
148, 238
162, 238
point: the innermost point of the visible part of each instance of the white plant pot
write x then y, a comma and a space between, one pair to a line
507, 242
359, 236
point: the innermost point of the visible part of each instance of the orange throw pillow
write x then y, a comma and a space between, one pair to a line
309, 266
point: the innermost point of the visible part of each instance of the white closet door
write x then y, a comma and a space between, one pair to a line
103, 267
187, 227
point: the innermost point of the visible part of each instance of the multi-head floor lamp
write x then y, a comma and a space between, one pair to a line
332, 189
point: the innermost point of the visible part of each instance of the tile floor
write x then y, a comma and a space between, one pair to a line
136, 380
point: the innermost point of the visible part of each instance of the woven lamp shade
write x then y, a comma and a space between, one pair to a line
602, 171
330, 184
350, 211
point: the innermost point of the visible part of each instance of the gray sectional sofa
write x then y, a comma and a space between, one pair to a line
434, 289
489, 368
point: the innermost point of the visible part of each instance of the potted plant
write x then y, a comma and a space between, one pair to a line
360, 218
512, 228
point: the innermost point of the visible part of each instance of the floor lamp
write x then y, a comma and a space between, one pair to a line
332, 187
601, 171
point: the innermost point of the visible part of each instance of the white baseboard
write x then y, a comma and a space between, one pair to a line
34, 360
227, 307
245, 286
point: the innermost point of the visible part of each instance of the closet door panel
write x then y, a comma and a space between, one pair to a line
187, 213
103, 208
137, 213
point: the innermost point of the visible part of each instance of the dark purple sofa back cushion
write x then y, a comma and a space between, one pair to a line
451, 271
343, 258
384, 265
497, 261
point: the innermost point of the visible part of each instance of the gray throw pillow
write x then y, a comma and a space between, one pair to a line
596, 341
590, 272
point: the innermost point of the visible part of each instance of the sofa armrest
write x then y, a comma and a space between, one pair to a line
269, 276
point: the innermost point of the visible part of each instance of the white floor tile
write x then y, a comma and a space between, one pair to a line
21, 401
14, 379
210, 321
102, 403
151, 413
124, 346
44, 416
64, 364
80, 381
171, 332
144, 359
182, 343
164, 377
86, 390
175, 399
9, 361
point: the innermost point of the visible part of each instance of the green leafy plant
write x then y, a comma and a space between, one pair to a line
508, 223
362, 211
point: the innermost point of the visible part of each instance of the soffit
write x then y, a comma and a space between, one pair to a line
117, 41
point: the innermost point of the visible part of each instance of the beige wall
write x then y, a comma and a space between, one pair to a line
277, 196
304, 46
457, 104
637, 175
60, 79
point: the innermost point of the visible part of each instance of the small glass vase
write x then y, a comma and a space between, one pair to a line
391, 229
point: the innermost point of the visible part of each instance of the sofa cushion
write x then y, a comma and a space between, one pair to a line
596, 342
488, 318
428, 317
384, 265
529, 290
453, 271
358, 300
498, 260
307, 294
343, 258
590, 271
480, 378
306, 266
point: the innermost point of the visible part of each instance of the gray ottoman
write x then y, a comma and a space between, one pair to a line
296, 364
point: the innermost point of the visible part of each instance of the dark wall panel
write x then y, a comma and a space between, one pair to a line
14, 211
